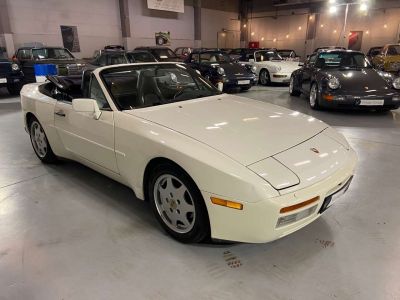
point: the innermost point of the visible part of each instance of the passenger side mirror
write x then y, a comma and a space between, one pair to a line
88, 106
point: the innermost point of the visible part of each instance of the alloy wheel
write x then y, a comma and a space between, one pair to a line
39, 140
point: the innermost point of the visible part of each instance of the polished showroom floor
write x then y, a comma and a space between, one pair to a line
67, 232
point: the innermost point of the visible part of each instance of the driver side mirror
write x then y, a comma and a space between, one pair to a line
87, 106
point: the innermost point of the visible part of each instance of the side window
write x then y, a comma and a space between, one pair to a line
97, 94
102, 60
312, 59
24, 54
195, 58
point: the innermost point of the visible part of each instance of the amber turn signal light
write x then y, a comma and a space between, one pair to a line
298, 205
227, 203
328, 97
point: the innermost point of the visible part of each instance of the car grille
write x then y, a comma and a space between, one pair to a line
74, 69
5, 69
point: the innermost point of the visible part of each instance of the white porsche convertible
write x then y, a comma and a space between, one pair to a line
270, 66
210, 164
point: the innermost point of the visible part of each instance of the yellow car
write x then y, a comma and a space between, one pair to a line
388, 59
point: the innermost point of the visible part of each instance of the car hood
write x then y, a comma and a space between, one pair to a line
234, 69
284, 65
359, 80
245, 130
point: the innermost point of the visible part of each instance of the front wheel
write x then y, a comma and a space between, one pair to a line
292, 88
40, 143
178, 204
265, 79
314, 97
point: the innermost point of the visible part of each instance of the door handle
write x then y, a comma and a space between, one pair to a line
60, 113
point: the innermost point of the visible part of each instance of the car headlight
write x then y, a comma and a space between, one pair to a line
220, 71
396, 83
253, 69
333, 83
15, 67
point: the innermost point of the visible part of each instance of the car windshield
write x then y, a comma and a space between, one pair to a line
284, 53
342, 59
51, 53
138, 86
3, 55
266, 55
140, 57
214, 57
164, 53
393, 50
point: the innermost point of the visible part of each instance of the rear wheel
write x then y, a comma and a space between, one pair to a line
265, 79
314, 97
292, 88
178, 204
40, 143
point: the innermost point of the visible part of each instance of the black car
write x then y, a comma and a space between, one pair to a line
140, 56
161, 53
372, 52
220, 70
106, 58
345, 79
11, 76
28, 57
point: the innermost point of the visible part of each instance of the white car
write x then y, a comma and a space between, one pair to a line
269, 66
210, 164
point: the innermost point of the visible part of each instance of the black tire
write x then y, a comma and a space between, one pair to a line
265, 78
314, 104
200, 227
293, 91
14, 89
47, 156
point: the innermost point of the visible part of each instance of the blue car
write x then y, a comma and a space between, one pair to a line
11, 76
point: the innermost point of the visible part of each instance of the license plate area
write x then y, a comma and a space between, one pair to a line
371, 102
329, 200
3, 80
241, 82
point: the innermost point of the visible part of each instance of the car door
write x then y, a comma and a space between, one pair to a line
307, 72
83, 135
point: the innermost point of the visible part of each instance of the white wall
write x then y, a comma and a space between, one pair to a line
40, 20
213, 21
145, 23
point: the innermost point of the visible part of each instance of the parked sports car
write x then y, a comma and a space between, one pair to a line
388, 59
288, 54
66, 63
162, 54
372, 52
218, 68
209, 163
11, 76
345, 79
269, 66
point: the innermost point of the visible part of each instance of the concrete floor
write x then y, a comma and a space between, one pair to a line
67, 232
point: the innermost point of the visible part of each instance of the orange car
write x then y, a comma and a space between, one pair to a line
388, 59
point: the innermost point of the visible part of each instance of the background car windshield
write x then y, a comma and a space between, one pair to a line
285, 53
394, 50
149, 85
342, 60
214, 57
116, 59
164, 53
51, 53
140, 57
266, 55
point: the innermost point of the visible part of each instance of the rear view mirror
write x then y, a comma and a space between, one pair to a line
88, 106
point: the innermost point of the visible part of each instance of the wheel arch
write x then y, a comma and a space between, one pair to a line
29, 117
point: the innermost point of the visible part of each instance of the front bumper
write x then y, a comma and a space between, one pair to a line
280, 77
11, 79
239, 82
345, 101
258, 221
